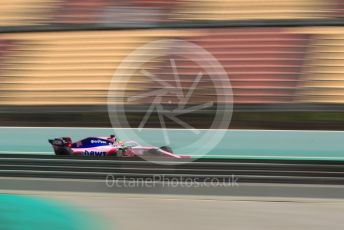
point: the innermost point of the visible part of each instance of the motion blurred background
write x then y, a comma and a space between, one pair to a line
285, 59
285, 62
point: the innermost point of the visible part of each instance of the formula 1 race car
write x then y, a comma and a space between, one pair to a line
107, 146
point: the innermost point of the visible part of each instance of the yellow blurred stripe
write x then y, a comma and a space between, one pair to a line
254, 9
323, 80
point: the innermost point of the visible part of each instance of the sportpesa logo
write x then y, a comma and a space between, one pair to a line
98, 142
94, 153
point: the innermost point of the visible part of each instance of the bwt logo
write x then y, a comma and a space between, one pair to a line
94, 153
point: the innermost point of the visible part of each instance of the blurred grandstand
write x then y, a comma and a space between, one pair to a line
285, 59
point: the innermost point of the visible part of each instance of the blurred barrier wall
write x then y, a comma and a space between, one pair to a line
264, 65
43, 12
58, 57
69, 67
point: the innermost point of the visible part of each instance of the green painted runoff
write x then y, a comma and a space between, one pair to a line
236, 144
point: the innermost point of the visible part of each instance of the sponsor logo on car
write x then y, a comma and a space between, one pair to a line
98, 142
94, 153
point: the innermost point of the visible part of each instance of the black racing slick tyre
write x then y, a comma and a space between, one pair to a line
167, 149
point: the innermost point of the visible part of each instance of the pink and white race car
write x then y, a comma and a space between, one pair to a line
108, 146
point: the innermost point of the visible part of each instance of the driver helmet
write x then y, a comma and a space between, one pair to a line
112, 138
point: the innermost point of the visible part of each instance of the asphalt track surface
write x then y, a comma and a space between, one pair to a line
267, 195
263, 178
159, 170
170, 212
